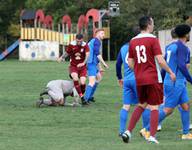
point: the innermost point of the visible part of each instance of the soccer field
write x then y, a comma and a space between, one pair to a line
25, 127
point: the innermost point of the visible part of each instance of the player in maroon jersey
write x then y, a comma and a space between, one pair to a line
145, 57
78, 51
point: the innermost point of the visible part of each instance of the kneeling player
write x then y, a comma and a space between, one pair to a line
58, 90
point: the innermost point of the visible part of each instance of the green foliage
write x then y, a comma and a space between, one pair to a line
165, 13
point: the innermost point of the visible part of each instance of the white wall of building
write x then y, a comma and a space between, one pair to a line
38, 50
165, 39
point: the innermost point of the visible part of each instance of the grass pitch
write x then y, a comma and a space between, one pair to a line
25, 127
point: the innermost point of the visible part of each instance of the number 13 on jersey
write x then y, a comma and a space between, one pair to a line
141, 54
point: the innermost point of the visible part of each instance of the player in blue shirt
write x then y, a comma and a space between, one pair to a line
92, 65
177, 56
128, 84
146, 114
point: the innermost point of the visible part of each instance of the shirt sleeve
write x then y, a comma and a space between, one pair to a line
69, 49
131, 50
86, 48
188, 58
181, 59
163, 72
156, 48
118, 66
96, 48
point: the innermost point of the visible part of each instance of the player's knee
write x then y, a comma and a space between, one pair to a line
168, 111
144, 105
74, 76
82, 80
99, 78
91, 81
153, 107
126, 107
185, 107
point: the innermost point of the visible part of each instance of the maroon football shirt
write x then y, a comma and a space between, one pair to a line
77, 53
143, 48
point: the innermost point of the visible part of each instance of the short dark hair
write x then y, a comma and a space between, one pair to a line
144, 22
79, 36
136, 30
173, 34
182, 30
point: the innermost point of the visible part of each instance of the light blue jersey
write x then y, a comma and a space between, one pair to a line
92, 62
128, 73
129, 84
94, 51
177, 56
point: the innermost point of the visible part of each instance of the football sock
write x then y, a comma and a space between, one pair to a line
162, 116
154, 118
94, 89
78, 88
145, 117
135, 117
88, 92
83, 86
185, 119
123, 120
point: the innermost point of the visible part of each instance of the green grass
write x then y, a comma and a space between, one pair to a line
25, 127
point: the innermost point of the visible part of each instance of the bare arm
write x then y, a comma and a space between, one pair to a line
188, 66
131, 63
62, 57
102, 61
164, 65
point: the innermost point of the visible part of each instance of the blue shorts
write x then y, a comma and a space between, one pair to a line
92, 69
129, 92
175, 95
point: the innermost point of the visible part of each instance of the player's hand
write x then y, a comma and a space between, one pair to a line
59, 59
80, 65
106, 66
172, 76
120, 83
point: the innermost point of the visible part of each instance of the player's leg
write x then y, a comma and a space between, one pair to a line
161, 107
98, 79
83, 83
145, 117
185, 119
92, 72
171, 101
154, 99
129, 98
133, 121
89, 88
123, 118
141, 91
185, 114
75, 78
83, 74
146, 122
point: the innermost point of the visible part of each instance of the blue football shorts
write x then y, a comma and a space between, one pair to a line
92, 69
129, 92
175, 95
